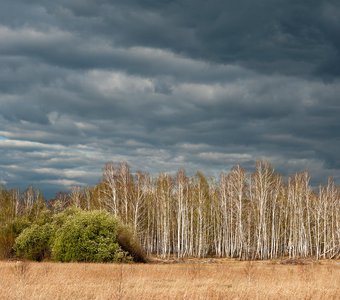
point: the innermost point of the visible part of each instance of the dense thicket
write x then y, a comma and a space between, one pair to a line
249, 216
79, 236
34, 231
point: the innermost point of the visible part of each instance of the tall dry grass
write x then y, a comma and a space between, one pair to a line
216, 279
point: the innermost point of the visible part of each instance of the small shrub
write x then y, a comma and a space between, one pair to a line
88, 237
34, 242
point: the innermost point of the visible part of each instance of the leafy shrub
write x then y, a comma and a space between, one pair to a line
88, 237
34, 242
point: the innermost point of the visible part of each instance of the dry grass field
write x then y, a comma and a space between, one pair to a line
196, 279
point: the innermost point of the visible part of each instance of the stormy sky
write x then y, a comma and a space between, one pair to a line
163, 85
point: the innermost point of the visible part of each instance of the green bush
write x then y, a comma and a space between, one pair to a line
34, 242
87, 237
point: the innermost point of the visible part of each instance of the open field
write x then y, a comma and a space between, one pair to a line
196, 279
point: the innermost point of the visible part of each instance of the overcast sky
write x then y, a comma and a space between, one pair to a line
165, 84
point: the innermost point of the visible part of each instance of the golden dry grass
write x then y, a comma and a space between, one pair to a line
197, 279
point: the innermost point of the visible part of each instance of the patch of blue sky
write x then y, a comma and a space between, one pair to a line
3, 138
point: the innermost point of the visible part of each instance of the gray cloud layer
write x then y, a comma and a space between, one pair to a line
166, 84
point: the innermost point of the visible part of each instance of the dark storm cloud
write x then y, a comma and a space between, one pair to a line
166, 84
286, 36
296, 37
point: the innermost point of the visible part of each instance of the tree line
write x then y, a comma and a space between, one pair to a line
258, 215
